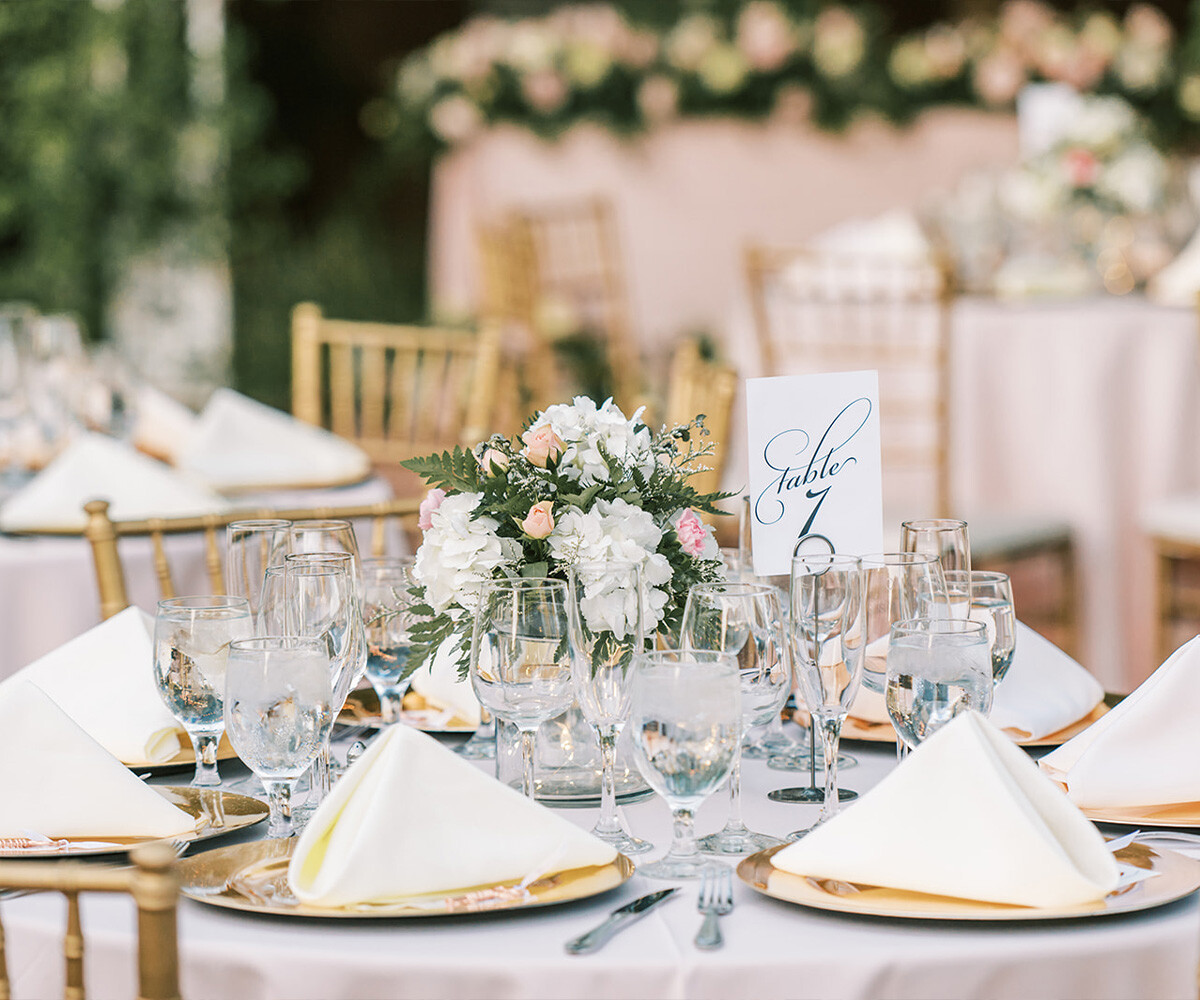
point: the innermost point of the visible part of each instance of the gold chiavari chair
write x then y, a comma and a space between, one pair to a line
823, 312
697, 384
151, 882
103, 533
398, 391
556, 271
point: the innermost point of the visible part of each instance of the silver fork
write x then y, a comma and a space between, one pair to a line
716, 899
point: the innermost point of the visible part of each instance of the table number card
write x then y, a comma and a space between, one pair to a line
815, 464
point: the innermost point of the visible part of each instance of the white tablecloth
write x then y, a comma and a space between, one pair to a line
773, 949
48, 584
1086, 411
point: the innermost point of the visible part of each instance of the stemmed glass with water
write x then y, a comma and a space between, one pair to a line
388, 617
936, 669
278, 691
251, 546
744, 620
989, 597
606, 634
191, 648
521, 657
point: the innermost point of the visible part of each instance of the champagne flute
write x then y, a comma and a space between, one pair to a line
945, 538
686, 718
897, 586
278, 713
745, 621
606, 633
250, 547
827, 647
991, 601
387, 616
521, 657
937, 668
191, 647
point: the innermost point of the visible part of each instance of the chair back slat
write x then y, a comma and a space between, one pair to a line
5, 989
212, 556
162, 565
697, 385
73, 950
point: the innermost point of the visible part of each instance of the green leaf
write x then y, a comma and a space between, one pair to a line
536, 569
455, 470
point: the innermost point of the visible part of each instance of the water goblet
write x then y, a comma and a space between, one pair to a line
327, 535
521, 657
745, 621
937, 668
606, 633
989, 595
278, 714
826, 626
945, 538
250, 547
388, 601
686, 719
191, 648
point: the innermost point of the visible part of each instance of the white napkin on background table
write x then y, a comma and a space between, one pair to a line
1144, 752
163, 425
411, 817
94, 467
967, 815
1044, 691
58, 782
437, 682
104, 680
240, 443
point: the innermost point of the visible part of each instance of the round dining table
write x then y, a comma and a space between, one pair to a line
772, 948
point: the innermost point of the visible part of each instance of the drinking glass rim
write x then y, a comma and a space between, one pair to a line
832, 560
260, 522
936, 626
204, 602
522, 583
680, 657
878, 560
596, 564
734, 587
312, 523
977, 575
934, 523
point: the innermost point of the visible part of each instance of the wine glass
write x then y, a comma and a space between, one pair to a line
606, 634
388, 601
521, 657
327, 535
945, 538
937, 668
897, 586
826, 627
250, 547
991, 601
744, 620
686, 718
191, 647
278, 713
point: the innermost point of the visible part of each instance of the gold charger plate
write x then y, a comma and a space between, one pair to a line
362, 709
183, 760
1176, 876
221, 812
253, 877
882, 732
1185, 815
237, 489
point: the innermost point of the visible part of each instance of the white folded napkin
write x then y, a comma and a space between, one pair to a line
1178, 283
411, 818
240, 443
437, 682
967, 815
94, 467
1044, 691
163, 426
895, 233
58, 782
104, 680
1145, 751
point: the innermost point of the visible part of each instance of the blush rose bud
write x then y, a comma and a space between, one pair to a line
542, 446
494, 462
539, 522
433, 500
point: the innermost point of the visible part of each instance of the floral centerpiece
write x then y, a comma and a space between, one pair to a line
582, 483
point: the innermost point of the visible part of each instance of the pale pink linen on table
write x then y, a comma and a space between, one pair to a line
690, 196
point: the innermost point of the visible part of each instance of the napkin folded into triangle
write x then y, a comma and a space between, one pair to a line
438, 683
59, 782
163, 424
1145, 751
412, 818
1045, 690
968, 815
94, 467
240, 443
104, 680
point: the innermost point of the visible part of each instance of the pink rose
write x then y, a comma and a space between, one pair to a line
433, 500
1081, 167
542, 445
539, 522
692, 535
493, 462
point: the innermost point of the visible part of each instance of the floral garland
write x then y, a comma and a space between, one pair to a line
795, 61
583, 483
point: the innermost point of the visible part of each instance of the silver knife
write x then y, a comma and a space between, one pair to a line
623, 917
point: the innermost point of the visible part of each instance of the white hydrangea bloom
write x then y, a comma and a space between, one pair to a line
460, 552
615, 530
585, 427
